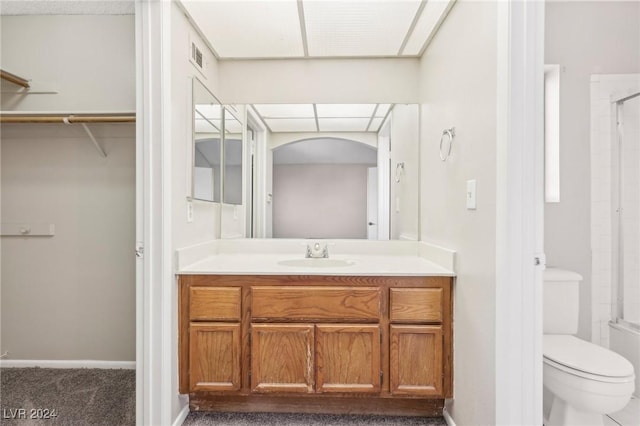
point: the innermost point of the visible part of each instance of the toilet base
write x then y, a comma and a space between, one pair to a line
563, 414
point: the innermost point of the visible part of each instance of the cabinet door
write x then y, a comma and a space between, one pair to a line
214, 357
416, 360
282, 358
348, 358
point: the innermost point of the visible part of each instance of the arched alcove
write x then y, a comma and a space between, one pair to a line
320, 188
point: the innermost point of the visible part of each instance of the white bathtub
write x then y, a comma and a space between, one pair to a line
626, 342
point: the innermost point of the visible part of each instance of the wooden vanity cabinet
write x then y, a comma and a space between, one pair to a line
379, 345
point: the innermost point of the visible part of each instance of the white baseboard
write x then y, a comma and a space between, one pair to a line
44, 363
182, 415
447, 417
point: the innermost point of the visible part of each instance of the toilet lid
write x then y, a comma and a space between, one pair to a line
584, 356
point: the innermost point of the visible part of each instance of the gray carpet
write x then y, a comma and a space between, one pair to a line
78, 396
244, 419
107, 398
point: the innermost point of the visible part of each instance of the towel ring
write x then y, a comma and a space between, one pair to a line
451, 134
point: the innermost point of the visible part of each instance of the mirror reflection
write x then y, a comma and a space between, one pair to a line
207, 125
233, 132
329, 171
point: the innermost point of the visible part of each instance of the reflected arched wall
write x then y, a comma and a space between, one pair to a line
321, 193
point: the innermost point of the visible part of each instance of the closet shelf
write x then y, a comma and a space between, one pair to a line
5, 75
83, 120
67, 119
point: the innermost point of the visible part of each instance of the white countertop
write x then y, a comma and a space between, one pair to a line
267, 264
371, 260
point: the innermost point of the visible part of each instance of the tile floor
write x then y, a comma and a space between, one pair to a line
629, 416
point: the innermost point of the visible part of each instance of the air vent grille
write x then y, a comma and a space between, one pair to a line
196, 55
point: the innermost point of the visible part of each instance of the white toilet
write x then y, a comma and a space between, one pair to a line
582, 381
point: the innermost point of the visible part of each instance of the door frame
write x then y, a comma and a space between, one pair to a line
156, 292
520, 259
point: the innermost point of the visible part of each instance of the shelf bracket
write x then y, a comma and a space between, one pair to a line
91, 137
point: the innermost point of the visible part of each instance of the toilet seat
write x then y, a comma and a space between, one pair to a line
580, 358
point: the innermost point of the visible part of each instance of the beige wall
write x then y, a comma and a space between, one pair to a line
320, 80
70, 296
87, 59
458, 88
205, 225
320, 201
206, 216
584, 38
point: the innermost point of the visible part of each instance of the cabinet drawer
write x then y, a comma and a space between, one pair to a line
214, 303
315, 303
416, 305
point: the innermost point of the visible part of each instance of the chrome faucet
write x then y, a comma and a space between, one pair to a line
317, 251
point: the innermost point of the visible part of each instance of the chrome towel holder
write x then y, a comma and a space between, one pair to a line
449, 134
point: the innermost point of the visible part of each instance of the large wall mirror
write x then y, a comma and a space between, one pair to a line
207, 148
329, 171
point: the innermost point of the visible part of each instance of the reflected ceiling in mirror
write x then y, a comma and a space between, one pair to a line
322, 117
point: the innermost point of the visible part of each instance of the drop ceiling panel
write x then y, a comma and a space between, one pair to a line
204, 126
345, 110
343, 124
249, 29
291, 124
431, 13
357, 28
285, 110
210, 111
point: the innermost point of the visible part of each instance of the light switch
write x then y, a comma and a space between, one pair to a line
471, 194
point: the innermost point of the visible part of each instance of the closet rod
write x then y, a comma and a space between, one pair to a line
67, 119
5, 75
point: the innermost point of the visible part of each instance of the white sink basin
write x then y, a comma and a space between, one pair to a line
316, 263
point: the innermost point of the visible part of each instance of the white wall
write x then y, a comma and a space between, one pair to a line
206, 216
320, 201
604, 40
320, 80
405, 194
86, 59
70, 296
458, 88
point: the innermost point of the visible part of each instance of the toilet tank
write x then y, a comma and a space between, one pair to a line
561, 302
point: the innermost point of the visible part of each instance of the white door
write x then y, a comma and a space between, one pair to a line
372, 203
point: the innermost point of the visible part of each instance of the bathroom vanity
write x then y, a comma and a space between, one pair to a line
316, 342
